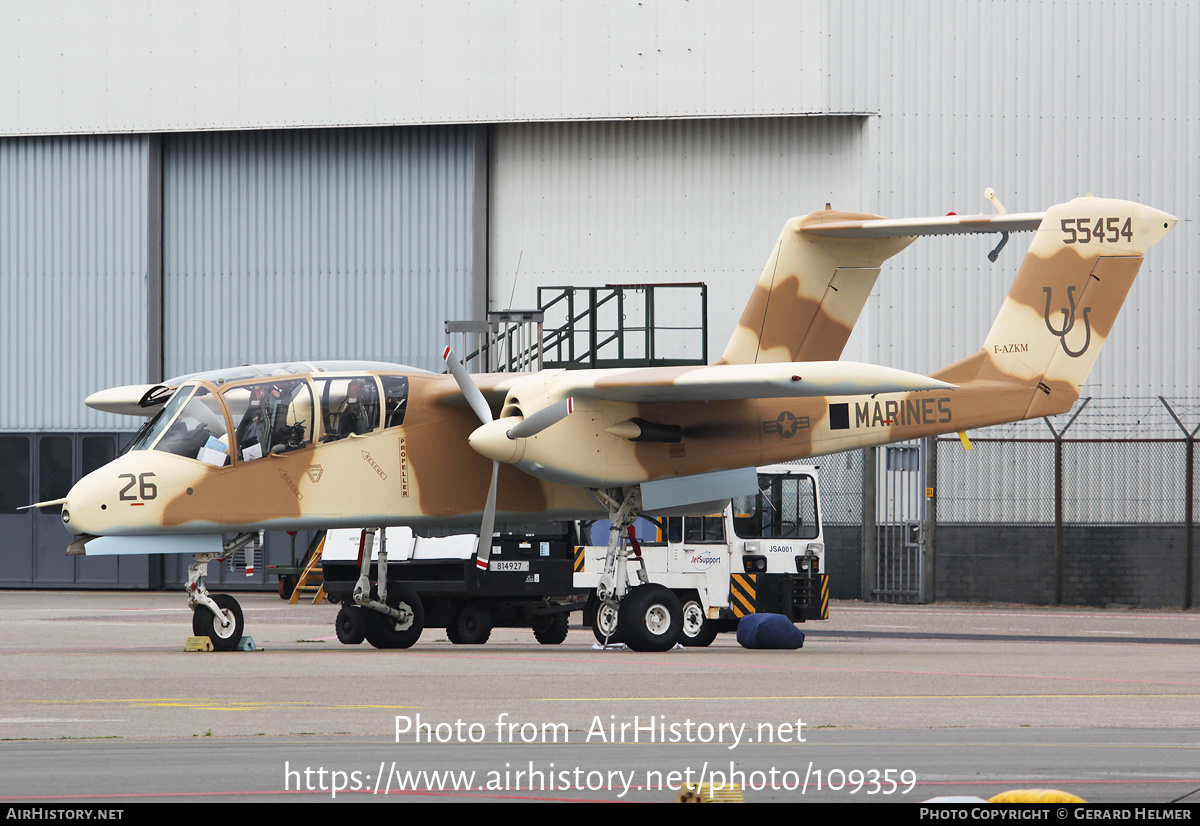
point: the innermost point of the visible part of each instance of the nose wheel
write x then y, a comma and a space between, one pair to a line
225, 628
216, 616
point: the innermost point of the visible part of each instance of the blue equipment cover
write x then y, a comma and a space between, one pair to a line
769, 631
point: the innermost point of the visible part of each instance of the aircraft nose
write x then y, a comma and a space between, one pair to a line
86, 506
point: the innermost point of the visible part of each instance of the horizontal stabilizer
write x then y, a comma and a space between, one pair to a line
747, 381
912, 227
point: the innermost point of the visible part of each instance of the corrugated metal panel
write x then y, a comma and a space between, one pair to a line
189, 65
72, 277
590, 204
1044, 101
335, 244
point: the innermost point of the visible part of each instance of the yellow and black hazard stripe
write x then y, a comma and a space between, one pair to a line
743, 594
824, 598
580, 558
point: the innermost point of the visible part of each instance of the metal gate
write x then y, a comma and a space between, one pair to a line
900, 536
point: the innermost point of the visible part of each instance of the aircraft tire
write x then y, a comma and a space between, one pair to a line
697, 631
474, 625
650, 618
204, 624
605, 621
380, 629
349, 625
550, 629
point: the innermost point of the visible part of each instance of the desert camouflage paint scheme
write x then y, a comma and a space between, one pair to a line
776, 395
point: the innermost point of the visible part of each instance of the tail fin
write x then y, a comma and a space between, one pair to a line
1065, 300
810, 294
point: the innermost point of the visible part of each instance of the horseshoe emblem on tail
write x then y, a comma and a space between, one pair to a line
1069, 322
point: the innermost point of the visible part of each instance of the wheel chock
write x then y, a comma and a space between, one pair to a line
246, 644
198, 644
705, 793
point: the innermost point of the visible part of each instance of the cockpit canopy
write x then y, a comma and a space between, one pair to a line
245, 413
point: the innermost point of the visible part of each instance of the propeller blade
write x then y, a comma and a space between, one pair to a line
542, 419
484, 549
474, 397
468, 387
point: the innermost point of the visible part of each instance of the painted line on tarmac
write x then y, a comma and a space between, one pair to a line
917, 610
694, 662
208, 704
1007, 636
35, 720
876, 697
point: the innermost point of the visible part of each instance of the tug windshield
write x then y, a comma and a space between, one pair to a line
784, 508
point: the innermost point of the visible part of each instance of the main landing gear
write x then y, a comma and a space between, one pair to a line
646, 616
389, 620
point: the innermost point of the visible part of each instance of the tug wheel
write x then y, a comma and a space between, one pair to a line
650, 618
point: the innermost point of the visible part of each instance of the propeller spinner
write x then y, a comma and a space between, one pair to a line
497, 440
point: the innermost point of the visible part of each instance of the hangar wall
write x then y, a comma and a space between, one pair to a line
1044, 101
589, 204
293, 64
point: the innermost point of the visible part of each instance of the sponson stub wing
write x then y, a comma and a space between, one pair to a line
743, 381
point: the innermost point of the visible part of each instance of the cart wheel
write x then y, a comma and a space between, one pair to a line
349, 625
550, 629
474, 625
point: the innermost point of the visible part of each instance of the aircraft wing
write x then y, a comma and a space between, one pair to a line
743, 381
911, 227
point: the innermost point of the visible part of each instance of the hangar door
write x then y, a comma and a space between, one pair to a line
315, 244
40, 467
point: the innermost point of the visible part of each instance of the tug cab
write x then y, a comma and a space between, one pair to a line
763, 553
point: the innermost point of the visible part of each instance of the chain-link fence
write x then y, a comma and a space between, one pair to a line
1097, 507
841, 477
